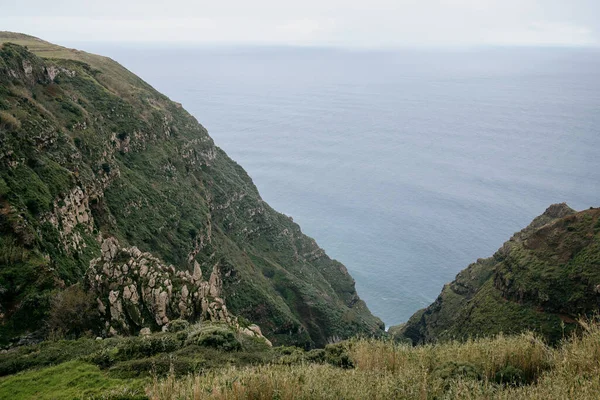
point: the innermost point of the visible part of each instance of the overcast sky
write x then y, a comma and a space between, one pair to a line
347, 23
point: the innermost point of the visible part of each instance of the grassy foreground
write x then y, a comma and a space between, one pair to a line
211, 364
70, 380
120, 368
504, 367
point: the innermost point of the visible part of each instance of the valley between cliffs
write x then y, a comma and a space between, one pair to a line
138, 261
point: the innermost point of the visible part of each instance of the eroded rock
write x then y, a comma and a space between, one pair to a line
135, 285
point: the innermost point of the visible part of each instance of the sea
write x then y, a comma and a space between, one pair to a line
406, 165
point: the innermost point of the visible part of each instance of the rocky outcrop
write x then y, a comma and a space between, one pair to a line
53, 71
72, 210
136, 290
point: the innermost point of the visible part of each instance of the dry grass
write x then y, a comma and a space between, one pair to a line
384, 370
9, 121
525, 352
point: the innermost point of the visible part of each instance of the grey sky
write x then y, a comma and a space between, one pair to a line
348, 23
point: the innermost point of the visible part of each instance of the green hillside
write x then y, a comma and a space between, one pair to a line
109, 188
543, 279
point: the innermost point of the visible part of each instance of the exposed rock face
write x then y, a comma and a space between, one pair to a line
542, 279
254, 331
27, 67
145, 331
137, 290
70, 211
52, 71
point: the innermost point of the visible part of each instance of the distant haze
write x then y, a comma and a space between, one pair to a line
344, 23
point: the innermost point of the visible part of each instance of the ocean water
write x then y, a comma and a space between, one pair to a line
404, 165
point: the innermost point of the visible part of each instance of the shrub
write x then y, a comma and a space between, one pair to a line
158, 365
453, 370
215, 337
290, 355
316, 356
103, 358
295, 355
289, 350
337, 355
510, 375
73, 312
181, 336
146, 346
178, 325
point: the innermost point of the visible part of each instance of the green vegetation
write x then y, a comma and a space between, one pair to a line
88, 151
118, 367
68, 381
196, 348
502, 367
174, 366
542, 280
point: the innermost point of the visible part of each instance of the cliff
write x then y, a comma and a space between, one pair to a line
107, 184
543, 279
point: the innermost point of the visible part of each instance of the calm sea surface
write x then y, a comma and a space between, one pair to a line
407, 165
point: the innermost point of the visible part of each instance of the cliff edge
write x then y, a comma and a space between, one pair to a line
109, 185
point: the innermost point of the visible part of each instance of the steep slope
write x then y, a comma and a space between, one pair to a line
106, 183
542, 279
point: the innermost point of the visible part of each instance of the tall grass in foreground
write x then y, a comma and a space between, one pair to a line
504, 367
